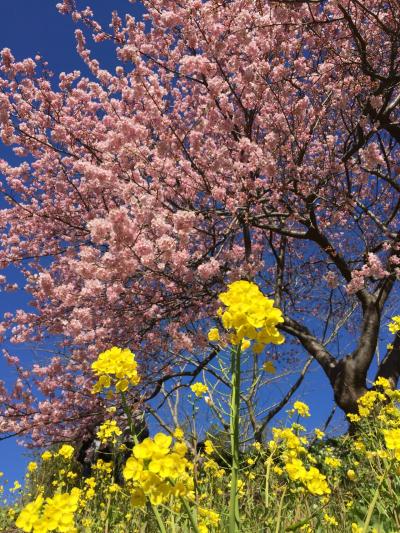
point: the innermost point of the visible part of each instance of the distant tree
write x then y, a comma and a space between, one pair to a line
235, 139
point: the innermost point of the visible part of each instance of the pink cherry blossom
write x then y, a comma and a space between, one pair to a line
241, 139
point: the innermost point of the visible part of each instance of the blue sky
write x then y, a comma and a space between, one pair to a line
27, 28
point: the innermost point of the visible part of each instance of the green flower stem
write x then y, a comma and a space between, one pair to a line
191, 517
160, 522
127, 411
374, 500
269, 461
234, 516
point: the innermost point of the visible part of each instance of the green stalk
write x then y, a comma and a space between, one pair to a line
269, 461
279, 518
373, 501
127, 411
158, 518
190, 515
234, 516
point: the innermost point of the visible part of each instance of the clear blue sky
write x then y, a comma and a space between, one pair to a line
29, 27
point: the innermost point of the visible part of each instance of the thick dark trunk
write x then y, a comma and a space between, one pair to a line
347, 384
348, 376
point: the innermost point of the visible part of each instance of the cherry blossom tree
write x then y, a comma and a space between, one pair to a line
235, 139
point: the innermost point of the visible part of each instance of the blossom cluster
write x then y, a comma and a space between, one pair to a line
394, 325
381, 404
248, 316
118, 366
158, 470
382, 399
199, 389
108, 430
372, 269
50, 514
292, 451
392, 441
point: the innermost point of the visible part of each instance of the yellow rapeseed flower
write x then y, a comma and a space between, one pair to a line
331, 520
392, 441
58, 512
138, 497
394, 325
302, 409
269, 367
213, 335
29, 517
115, 366
108, 430
296, 469
178, 433
32, 466
66, 451
52, 514
208, 447
316, 482
333, 462
158, 471
353, 417
382, 382
250, 316
199, 389
46, 456
351, 474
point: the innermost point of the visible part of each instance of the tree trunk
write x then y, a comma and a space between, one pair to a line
347, 384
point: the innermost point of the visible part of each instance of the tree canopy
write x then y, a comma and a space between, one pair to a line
236, 139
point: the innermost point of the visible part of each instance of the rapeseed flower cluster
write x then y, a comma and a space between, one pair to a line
213, 467
50, 514
32, 466
207, 518
213, 335
199, 389
333, 462
383, 403
392, 441
302, 409
368, 401
116, 366
66, 451
109, 430
208, 447
178, 433
293, 453
157, 470
269, 367
248, 316
394, 325
89, 489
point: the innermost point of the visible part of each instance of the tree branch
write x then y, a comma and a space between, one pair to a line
311, 344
